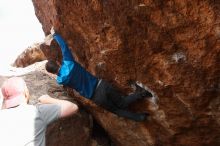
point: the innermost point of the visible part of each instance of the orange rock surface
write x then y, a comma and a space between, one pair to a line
172, 47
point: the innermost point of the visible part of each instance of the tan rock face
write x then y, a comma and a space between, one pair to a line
36, 53
172, 47
29, 56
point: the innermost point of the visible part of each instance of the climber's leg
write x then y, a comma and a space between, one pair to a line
131, 98
130, 115
120, 101
125, 101
100, 96
144, 92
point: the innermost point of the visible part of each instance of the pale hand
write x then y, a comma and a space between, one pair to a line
52, 31
48, 39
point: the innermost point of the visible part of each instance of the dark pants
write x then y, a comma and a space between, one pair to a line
111, 99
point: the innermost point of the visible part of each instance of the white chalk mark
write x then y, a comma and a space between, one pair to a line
178, 56
142, 5
108, 50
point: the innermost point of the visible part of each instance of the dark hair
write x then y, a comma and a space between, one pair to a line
52, 67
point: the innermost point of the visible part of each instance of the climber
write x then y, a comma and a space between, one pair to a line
25, 125
73, 75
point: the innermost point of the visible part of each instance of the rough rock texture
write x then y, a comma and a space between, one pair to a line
76, 130
170, 46
29, 56
36, 53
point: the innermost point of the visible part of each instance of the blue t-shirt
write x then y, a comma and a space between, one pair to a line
72, 74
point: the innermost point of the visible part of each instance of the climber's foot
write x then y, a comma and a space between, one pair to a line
144, 92
141, 117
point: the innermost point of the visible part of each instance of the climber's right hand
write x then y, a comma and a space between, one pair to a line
48, 39
52, 31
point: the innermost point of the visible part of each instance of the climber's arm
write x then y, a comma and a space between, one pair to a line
67, 55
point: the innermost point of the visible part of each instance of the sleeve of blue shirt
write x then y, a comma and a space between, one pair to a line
63, 76
67, 55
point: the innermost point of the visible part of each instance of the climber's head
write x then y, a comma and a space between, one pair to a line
52, 67
14, 92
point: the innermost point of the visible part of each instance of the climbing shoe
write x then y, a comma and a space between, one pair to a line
141, 117
146, 94
138, 88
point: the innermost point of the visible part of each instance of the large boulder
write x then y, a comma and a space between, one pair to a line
29, 56
171, 47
